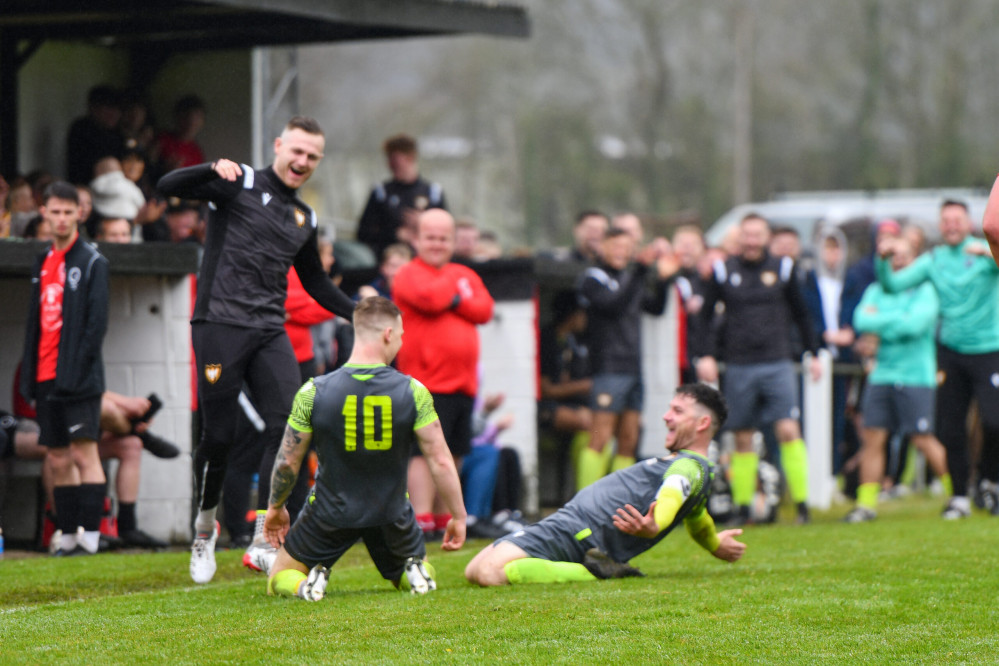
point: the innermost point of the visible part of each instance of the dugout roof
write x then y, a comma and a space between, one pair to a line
220, 24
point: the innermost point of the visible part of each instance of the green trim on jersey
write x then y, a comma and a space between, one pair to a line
301, 410
365, 366
425, 412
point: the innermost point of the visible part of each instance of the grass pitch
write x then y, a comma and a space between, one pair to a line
907, 588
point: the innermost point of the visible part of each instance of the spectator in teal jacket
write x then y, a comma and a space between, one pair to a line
899, 397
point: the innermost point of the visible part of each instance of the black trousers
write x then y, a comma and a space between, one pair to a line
965, 377
227, 357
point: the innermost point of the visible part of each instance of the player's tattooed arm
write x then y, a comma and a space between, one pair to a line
294, 446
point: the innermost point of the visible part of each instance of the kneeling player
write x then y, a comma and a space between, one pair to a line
595, 534
363, 419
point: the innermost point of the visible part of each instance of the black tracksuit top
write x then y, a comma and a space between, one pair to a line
762, 299
258, 229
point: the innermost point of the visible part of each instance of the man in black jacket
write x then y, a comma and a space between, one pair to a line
259, 229
393, 206
762, 297
63, 369
615, 292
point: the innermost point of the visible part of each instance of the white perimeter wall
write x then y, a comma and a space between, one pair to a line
508, 353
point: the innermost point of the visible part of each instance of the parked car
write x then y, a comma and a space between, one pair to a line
854, 212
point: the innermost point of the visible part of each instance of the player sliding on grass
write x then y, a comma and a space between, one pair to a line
624, 514
363, 419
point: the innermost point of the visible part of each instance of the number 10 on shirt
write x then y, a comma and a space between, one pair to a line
377, 411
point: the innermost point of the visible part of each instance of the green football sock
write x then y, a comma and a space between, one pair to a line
908, 475
286, 582
622, 462
794, 460
867, 495
744, 469
535, 570
579, 442
591, 467
947, 484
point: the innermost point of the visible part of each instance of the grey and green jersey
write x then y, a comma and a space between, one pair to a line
363, 421
906, 323
966, 284
589, 513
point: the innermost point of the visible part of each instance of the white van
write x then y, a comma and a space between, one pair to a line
854, 212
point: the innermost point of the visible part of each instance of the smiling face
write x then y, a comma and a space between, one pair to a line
955, 225
435, 237
754, 237
684, 419
296, 155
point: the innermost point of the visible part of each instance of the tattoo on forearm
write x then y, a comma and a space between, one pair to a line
286, 465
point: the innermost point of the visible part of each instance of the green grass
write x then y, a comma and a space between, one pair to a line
908, 588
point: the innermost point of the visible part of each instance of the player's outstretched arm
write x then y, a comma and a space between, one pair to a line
294, 446
445, 476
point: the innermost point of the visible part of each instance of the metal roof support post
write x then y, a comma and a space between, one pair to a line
273, 103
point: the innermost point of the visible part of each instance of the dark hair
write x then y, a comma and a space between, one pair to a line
103, 95
373, 308
306, 124
753, 215
104, 220
954, 202
614, 232
31, 228
564, 305
60, 189
590, 213
400, 143
784, 230
708, 397
188, 103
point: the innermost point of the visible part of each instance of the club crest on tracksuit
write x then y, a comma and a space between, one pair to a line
212, 372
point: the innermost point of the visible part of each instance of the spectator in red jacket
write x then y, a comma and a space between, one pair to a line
442, 303
301, 312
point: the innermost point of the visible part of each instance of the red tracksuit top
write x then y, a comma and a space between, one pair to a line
440, 344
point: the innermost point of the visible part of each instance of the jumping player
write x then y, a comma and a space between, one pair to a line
259, 229
623, 514
364, 418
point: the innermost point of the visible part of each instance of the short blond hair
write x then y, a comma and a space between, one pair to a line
375, 313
